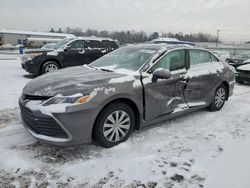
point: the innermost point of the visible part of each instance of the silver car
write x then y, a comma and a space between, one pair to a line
130, 88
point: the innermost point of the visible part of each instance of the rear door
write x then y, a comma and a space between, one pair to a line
203, 77
75, 54
95, 49
166, 96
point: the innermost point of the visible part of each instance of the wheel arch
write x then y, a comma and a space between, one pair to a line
127, 101
226, 84
47, 60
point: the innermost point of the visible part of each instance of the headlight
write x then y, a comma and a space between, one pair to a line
34, 55
75, 99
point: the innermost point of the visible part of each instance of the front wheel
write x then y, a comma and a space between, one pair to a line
49, 66
219, 98
114, 124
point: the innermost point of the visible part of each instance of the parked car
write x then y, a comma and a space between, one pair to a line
127, 89
223, 55
239, 59
10, 47
173, 41
66, 53
243, 73
109, 44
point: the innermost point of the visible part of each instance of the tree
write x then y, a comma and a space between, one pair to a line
59, 30
52, 30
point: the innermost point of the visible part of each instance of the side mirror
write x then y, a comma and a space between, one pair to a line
161, 74
66, 48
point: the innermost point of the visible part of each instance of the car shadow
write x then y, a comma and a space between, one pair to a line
29, 76
60, 155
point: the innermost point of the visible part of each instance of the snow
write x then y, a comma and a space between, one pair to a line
209, 149
165, 39
122, 79
244, 67
35, 33
54, 52
230, 169
205, 69
137, 83
43, 39
12, 81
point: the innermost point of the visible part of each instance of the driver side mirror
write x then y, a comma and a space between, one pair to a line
161, 74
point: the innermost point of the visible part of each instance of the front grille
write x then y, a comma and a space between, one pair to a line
44, 125
36, 97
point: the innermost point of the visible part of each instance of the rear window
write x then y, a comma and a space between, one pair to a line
110, 44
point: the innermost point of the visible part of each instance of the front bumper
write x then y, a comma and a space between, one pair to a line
30, 66
64, 129
239, 77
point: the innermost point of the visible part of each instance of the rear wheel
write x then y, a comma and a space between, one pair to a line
219, 98
114, 124
49, 66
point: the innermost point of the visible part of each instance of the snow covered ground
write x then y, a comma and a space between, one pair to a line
202, 149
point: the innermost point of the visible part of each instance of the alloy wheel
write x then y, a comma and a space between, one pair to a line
116, 126
51, 68
220, 97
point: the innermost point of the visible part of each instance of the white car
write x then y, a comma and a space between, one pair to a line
10, 47
223, 55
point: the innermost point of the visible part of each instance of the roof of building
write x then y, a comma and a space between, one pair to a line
43, 39
10, 31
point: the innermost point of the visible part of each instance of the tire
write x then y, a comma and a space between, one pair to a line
106, 122
11, 49
219, 98
49, 66
237, 80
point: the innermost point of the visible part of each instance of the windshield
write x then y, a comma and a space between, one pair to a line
62, 43
129, 58
243, 56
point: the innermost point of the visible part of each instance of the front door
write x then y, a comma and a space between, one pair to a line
75, 54
166, 96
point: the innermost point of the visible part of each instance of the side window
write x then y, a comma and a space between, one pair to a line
214, 59
199, 57
94, 44
173, 61
77, 44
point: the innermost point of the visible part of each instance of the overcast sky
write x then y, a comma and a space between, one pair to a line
230, 16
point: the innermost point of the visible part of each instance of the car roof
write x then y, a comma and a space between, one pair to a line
94, 38
160, 46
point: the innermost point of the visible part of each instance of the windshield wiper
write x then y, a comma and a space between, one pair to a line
107, 70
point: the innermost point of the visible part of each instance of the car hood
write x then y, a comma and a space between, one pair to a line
69, 81
244, 67
37, 51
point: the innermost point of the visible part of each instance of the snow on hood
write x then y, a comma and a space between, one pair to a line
244, 67
80, 79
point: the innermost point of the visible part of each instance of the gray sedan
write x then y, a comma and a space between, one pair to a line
128, 89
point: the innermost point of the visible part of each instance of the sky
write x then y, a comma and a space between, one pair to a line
187, 16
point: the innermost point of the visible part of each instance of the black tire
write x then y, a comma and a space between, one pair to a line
11, 49
102, 120
217, 104
237, 80
46, 65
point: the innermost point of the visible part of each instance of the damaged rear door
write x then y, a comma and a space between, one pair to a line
165, 96
203, 77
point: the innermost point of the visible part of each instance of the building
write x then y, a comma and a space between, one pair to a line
30, 38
